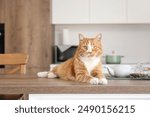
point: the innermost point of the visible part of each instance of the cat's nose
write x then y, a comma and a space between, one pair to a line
89, 52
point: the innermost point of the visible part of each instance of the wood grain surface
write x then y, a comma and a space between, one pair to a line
2, 11
31, 84
28, 29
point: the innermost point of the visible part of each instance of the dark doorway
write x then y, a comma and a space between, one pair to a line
2, 40
2, 31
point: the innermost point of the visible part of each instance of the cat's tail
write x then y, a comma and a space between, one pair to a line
46, 74
42, 74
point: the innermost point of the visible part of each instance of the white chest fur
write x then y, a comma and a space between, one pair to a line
90, 62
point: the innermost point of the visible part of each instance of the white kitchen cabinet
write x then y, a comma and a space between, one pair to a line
70, 11
108, 11
88, 11
100, 11
138, 11
62, 97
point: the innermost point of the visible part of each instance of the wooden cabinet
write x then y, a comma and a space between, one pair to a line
28, 29
108, 11
70, 11
138, 11
2, 12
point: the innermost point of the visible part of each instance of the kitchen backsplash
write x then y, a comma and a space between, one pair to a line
129, 40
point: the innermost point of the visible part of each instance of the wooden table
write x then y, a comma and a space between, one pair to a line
31, 84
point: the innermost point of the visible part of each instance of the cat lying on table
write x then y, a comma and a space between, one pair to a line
84, 66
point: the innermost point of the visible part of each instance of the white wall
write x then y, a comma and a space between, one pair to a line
130, 40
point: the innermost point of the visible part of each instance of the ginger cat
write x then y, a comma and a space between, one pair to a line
85, 65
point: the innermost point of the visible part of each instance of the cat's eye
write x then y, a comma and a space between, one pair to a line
95, 47
85, 47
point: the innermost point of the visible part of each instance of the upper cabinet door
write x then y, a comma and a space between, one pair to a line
138, 11
108, 11
70, 11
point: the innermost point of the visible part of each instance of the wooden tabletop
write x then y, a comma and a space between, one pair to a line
31, 84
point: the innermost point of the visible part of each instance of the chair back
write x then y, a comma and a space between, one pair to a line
18, 62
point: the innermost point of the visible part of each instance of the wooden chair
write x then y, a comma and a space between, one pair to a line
13, 63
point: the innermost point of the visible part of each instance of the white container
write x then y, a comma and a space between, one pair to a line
120, 70
66, 36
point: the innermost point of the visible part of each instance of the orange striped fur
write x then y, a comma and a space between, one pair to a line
85, 65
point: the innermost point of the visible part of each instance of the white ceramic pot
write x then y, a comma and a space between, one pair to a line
120, 70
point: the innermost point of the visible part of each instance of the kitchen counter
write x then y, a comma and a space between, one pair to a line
31, 84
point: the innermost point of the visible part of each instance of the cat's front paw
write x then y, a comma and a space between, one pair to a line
94, 81
103, 81
51, 75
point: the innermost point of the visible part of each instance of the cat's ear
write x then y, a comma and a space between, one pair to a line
99, 36
81, 37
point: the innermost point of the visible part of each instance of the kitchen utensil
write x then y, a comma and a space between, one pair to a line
120, 70
61, 56
138, 75
147, 68
113, 59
